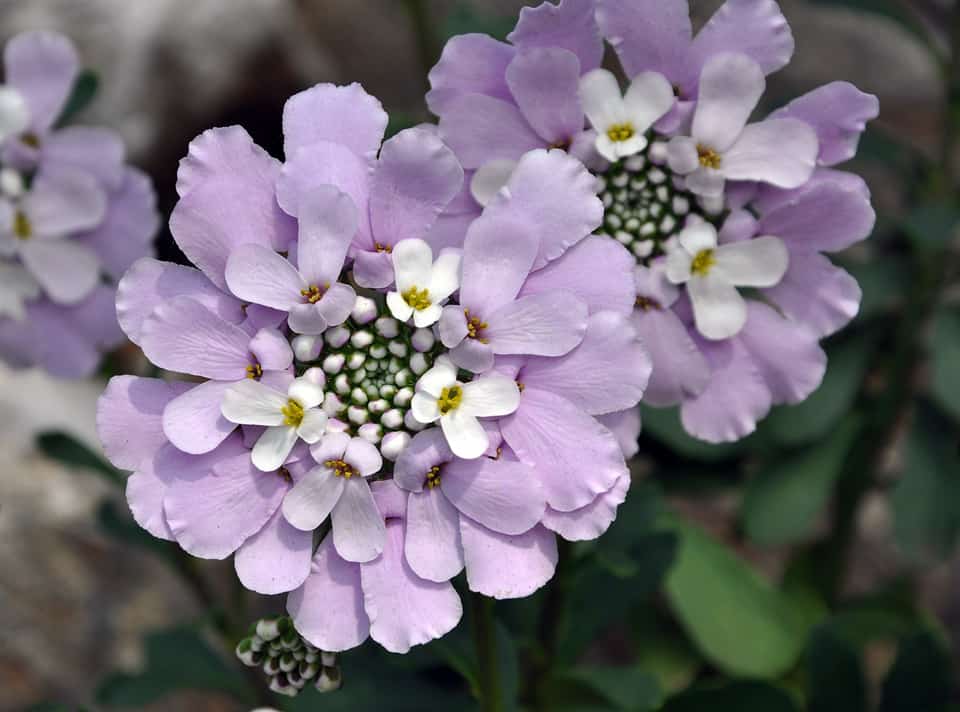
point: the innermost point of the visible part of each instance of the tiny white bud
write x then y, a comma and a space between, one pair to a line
398, 349
342, 384
328, 659
371, 432
332, 404
328, 680
357, 415
387, 327
418, 363
333, 363
658, 152
379, 350
392, 419
356, 360
403, 378
307, 348
393, 444
282, 689
423, 339
361, 339
358, 396
364, 310
378, 406
268, 629
337, 336
403, 397
412, 423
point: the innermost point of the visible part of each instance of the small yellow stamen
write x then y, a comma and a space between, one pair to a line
31, 139
702, 263
341, 469
313, 293
648, 304
433, 477
620, 132
449, 399
292, 413
418, 299
285, 474
382, 248
708, 157
520, 386
563, 144
254, 371
22, 227
474, 326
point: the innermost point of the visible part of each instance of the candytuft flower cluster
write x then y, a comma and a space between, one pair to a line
73, 215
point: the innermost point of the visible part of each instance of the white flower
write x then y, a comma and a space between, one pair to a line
712, 273
288, 416
440, 396
17, 285
422, 284
622, 120
14, 113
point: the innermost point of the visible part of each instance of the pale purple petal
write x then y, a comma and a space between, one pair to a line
503, 566
328, 221
258, 274
547, 324
648, 35
782, 152
480, 129
373, 269
43, 67
590, 522
340, 114
62, 201
363, 456
336, 304
276, 559
544, 83
452, 326
145, 491
312, 498
570, 24
470, 64
679, 369
67, 270
730, 87
432, 545
503, 495
358, 529
625, 426
307, 319
473, 355
98, 151
194, 422
426, 450
272, 350
332, 447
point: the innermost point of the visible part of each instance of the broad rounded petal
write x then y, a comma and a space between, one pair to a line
502, 495
182, 335
787, 354
480, 129
503, 566
312, 499
194, 422
64, 200
145, 492
427, 449
332, 447
373, 269
602, 99
647, 99
445, 277
490, 396
730, 87
306, 392
652, 284
545, 84
258, 274
470, 64
465, 435
398, 306
328, 221
96, 150
577, 273
452, 326
497, 256
443, 374
66, 270
607, 372
678, 266
547, 324
718, 309
569, 24
625, 426
250, 402
682, 155
415, 179
404, 609
273, 448
473, 355
490, 178
432, 545
839, 113
306, 319
313, 426
575, 457
43, 67
679, 369
272, 350
590, 522
647, 34
707, 183
412, 264
358, 528
759, 262
276, 559
340, 114
782, 152
328, 609
424, 408
364, 456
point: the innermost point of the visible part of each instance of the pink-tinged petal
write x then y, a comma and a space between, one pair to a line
470, 64
625, 426
755, 28
450, 230
43, 67
839, 113
787, 354
503, 495
307, 319
544, 83
553, 195
211, 516
473, 355
480, 129
679, 371
193, 421
258, 274
415, 179
739, 225
145, 492
340, 114
706, 182
570, 24
130, 418
432, 544
272, 350
337, 303
816, 293
150, 282
358, 528
736, 398
577, 272
547, 324
373, 270
648, 35
363, 456
607, 372
575, 457
98, 151
276, 559
312, 498
452, 326
653, 285
404, 609
328, 221
182, 335
502, 566
64, 200
327, 609
782, 152
427, 449
332, 447
590, 522
67, 270
730, 87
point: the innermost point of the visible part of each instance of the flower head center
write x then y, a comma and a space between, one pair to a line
449, 399
648, 304
292, 413
254, 371
621, 132
433, 477
708, 157
313, 293
702, 263
418, 299
475, 327
341, 469
22, 227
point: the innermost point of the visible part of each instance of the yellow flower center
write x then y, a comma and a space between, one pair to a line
254, 371
708, 157
474, 326
449, 399
418, 299
433, 477
22, 227
292, 413
620, 132
382, 248
703, 262
313, 293
341, 469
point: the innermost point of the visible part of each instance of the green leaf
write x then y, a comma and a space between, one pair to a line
67, 450
177, 659
783, 502
883, 282
741, 623
926, 500
945, 357
835, 681
465, 18
623, 688
84, 90
670, 659
736, 696
932, 226
664, 426
921, 678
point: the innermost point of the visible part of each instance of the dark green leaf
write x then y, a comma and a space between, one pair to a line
920, 678
118, 524
945, 358
932, 226
670, 659
884, 283
465, 18
66, 449
624, 688
663, 425
736, 696
84, 90
835, 681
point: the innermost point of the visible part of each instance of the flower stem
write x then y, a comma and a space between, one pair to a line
485, 640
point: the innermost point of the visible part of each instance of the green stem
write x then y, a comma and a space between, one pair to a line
485, 640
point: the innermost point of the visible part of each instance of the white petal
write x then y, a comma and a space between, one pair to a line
730, 88
363, 456
331, 447
422, 318
464, 433
760, 262
442, 375
16, 285
399, 308
490, 178
445, 278
412, 263
313, 426
678, 265
682, 155
649, 97
706, 182
607, 148
698, 237
306, 393
312, 499
718, 309
358, 528
250, 402
273, 448
14, 112
490, 396
424, 408
602, 100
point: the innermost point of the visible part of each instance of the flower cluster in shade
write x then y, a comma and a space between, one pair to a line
73, 216
727, 215
372, 410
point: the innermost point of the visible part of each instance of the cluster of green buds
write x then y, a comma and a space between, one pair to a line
289, 661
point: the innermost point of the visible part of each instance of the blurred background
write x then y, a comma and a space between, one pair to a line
829, 579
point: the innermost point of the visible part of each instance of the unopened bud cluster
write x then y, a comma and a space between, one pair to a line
289, 661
